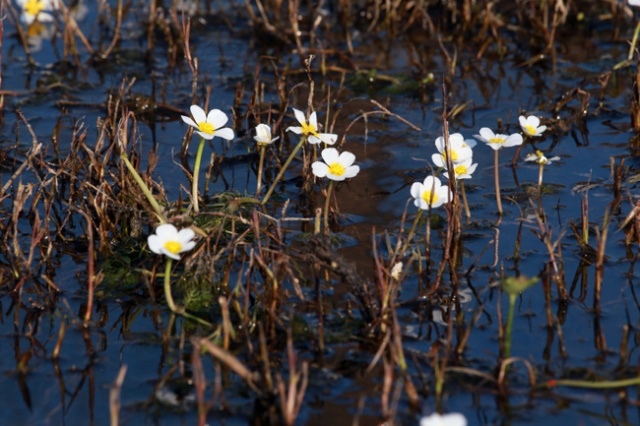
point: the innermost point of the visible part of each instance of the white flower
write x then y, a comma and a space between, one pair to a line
209, 125
540, 158
336, 166
168, 241
430, 192
263, 135
396, 271
531, 125
460, 149
634, 2
452, 419
499, 141
462, 170
32, 10
310, 129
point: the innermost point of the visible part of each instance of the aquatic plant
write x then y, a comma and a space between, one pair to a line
337, 167
497, 142
263, 140
207, 126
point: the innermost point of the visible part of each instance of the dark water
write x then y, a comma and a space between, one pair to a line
74, 388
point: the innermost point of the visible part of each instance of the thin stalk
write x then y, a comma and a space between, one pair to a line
167, 295
540, 172
145, 189
507, 337
196, 172
326, 208
634, 41
263, 150
607, 384
283, 169
464, 200
497, 181
167, 286
411, 232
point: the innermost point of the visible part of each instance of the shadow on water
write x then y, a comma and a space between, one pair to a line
365, 322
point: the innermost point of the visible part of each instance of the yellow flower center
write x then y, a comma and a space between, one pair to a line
497, 140
530, 130
207, 128
173, 247
429, 197
454, 155
309, 129
336, 169
460, 170
33, 7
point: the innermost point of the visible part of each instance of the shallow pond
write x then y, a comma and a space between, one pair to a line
315, 326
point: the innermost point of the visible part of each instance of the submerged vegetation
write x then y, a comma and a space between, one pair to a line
332, 246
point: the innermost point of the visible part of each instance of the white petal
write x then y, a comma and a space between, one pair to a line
207, 136
188, 246
351, 171
330, 155
319, 169
416, 190
224, 133
328, 138
167, 231
456, 138
514, 140
542, 129
313, 140
346, 159
336, 177
472, 168
438, 160
189, 121
313, 120
302, 119
523, 121
217, 118
431, 182
166, 252
296, 130
198, 114
186, 235
470, 142
533, 121
440, 144
154, 243
486, 134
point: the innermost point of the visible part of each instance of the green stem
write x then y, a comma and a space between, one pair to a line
496, 178
634, 41
263, 149
196, 171
411, 232
326, 208
283, 169
172, 305
507, 337
145, 189
595, 385
540, 175
167, 286
464, 200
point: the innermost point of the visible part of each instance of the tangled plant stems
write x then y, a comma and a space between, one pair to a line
207, 126
309, 131
170, 242
144, 188
497, 142
336, 167
263, 139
